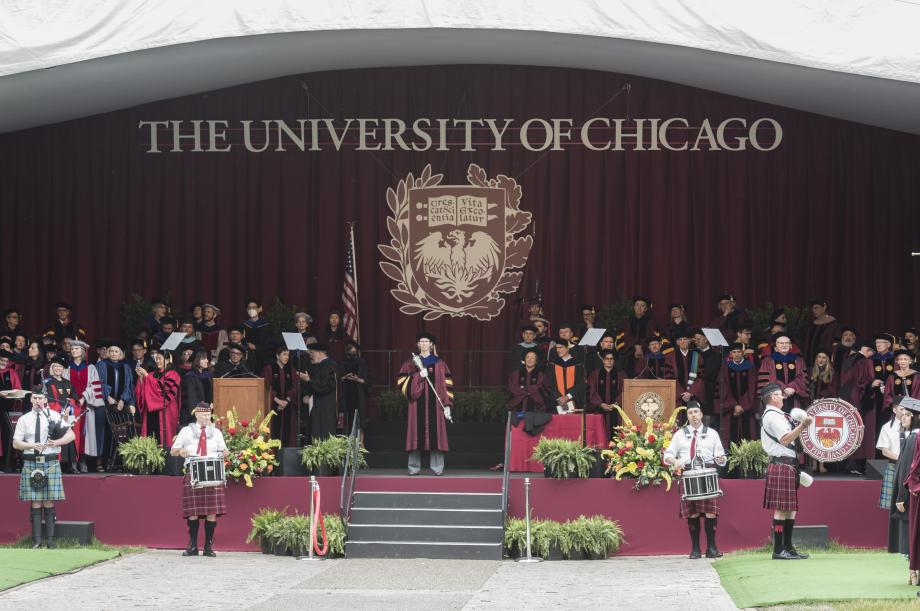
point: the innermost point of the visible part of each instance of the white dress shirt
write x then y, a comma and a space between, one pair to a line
189, 435
775, 423
708, 445
890, 437
25, 430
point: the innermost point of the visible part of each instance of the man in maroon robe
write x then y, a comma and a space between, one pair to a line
856, 377
285, 397
687, 365
737, 389
820, 332
787, 369
426, 382
529, 390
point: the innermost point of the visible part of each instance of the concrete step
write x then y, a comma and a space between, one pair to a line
395, 459
424, 533
428, 500
423, 549
432, 517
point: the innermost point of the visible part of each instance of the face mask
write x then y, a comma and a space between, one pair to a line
351, 355
252, 312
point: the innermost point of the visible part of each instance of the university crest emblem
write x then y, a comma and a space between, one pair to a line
836, 432
453, 248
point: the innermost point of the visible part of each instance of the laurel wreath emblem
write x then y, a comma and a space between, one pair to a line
398, 264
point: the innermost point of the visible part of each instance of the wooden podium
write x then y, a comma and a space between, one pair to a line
644, 398
248, 395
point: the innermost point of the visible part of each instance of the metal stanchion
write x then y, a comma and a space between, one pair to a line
528, 557
314, 485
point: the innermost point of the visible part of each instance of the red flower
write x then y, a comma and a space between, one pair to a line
651, 439
232, 430
244, 422
622, 435
611, 444
621, 451
254, 434
640, 464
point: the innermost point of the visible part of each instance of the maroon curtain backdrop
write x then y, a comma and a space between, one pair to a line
90, 217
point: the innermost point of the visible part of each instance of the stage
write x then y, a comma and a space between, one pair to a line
145, 510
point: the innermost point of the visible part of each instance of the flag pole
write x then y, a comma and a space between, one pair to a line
354, 274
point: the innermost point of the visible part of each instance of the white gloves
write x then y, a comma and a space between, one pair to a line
423, 372
447, 414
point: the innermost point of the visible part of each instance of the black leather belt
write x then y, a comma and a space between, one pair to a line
784, 460
39, 458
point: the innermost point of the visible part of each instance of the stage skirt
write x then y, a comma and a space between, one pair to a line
202, 501
781, 488
53, 490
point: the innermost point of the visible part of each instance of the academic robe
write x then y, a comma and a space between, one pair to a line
87, 388
9, 380
657, 367
59, 330
213, 337
32, 372
789, 372
284, 384
544, 345
819, 338
912, 484
158, 396
898, 386
738, 386
882, 369
257, 333
426, 428
688, 372
335, 340
354, 394
855, 379
517, 354
323, 387
604, 387
898, 521
197, 386
529, 392
61, 395
819, 389
634, 331
728, 325
567, 378
117, 380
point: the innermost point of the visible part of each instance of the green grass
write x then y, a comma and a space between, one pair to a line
853, 577
20, 564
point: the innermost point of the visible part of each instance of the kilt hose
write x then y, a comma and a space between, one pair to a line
202, 501
781, 488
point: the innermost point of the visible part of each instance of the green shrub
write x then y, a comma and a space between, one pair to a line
564, 457
261, 521
748, 459
330, 453
142, 455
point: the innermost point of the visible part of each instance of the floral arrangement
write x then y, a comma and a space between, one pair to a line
640, 454
252, 451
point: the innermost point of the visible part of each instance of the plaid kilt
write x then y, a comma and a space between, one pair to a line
53, 490
202, 501
781, 489
885, 499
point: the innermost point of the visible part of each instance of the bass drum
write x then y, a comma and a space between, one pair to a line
836, 431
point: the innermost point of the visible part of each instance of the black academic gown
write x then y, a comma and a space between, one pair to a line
323, 388
354, 394
898, 525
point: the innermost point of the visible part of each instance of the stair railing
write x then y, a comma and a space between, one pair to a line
505, 470
350, 472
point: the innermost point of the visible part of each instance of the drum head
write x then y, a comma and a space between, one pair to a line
837, 430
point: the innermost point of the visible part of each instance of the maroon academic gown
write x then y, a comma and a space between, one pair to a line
789, 374
283, 383
427, 428
897, 386
819, 338
738, 387
912, 483
604, 387
158, 394
529, 393
635, 330
681, 366
855, 377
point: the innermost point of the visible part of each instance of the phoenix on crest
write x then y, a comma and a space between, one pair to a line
457, 263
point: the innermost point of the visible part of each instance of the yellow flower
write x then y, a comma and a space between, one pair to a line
248, 480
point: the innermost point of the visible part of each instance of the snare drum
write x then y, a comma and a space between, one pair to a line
700, 484
206, 471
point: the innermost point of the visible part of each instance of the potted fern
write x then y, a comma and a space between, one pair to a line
748, 459
142, 455
261, 522
515, 537
547, 539
276, 535
297, 535
336, 534
606, 536
564, 458
327, 456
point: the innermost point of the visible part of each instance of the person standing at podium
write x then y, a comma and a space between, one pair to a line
696, 440
426, 382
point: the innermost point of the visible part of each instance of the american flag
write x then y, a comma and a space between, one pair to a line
350, 289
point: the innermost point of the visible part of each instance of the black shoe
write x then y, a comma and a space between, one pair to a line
786, 555
695, 554
192, 551
795, 552
713, 552
209, 552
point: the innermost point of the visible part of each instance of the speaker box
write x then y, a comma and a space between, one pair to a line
875, 468
174, 465
290, 463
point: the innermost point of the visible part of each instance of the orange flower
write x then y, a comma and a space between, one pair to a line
270, 468
244, 466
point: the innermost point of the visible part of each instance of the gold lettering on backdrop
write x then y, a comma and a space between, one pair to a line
535, 134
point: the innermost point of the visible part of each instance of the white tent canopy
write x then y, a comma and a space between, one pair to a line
852, 59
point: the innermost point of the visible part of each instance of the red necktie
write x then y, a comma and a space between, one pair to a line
693, 446
203, 442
